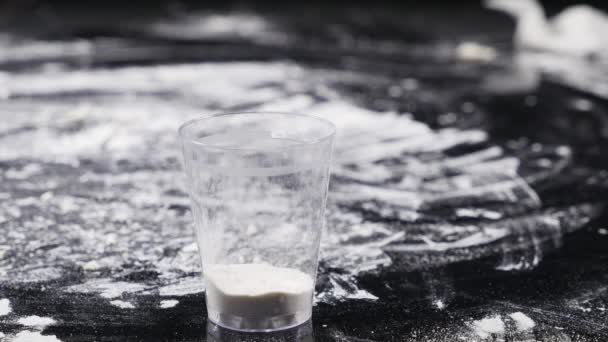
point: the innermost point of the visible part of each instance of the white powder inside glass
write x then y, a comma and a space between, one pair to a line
522, 321
36, 321
488, 326
5, 307
258, 296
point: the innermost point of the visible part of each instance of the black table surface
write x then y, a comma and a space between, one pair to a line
466, 202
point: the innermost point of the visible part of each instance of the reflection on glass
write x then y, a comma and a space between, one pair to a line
302, 333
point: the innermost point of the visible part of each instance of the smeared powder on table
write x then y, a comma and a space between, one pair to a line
36, 321
5, 307
522, 321
166, 304
122, 304
484, 328
33, 336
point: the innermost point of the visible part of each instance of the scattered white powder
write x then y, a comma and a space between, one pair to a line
107, 288
36, 321
33, 336
2, 334
439, 304
522, 321
169, 303
5, 307
122, 304
185, 286
92, 265
484, 328
36, 275
24, 173
121, 134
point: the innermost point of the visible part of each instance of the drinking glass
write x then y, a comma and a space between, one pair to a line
258, 184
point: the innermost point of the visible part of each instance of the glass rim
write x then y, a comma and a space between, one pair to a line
330, 125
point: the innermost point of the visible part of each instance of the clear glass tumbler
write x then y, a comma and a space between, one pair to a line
258, 184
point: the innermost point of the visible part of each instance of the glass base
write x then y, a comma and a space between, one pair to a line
259, 324
300, 333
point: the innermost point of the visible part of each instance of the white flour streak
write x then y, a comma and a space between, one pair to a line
33, 336
342, 287
522, 321
107, 288
184, 287
34, 275
361, 294
483, 237
486, 327
353, 120
358, 192
169, 303
5, 307
127, 125
25, 172
43, 50
368, 173
478, 213
197, 26
512, 266
296, 103
122, 304
186, 78
36, 321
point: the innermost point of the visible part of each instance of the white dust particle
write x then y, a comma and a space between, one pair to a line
473, 51
191, 248
5, 307
582, 105
92, 265
488, 326
36, 321
439, 304
522, 321
166, 304
602, 231
33, 336
122, 304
